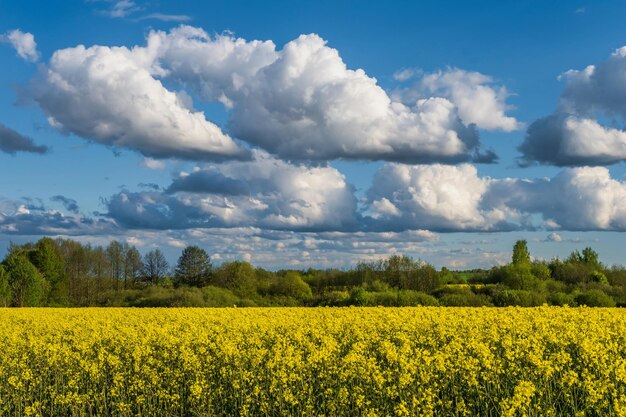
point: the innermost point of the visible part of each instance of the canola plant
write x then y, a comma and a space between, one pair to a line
422, 361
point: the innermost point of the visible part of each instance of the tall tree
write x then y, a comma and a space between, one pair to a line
194, 267
237, 276
115, 253
28, 286
155, 266
133, 265
47, 258
521, 256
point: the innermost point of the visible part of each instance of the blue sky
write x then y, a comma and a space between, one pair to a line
172, 126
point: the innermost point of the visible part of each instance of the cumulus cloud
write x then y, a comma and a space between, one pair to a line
24, 44
554, 237
573, 135
109, 95
598, 88
264, 192
456, 198
12, 142
476, 96
434, 197
567, 140
302, 102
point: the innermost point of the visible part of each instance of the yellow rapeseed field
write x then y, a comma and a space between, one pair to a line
313, 362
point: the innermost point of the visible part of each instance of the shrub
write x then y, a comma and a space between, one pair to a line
595, 298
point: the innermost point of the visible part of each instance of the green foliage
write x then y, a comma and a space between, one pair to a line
599, 277
219, 297
5, 288
415, 298
521, 256
333, 298
594, 298
194, 267
522, 298
561, 299
28, 286
292, 285
359, 297
237, 276
465, 299
155, 266
520, 277
46, 257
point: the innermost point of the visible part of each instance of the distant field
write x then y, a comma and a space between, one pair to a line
313, 361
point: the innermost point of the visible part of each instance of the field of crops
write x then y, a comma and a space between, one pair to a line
327, 361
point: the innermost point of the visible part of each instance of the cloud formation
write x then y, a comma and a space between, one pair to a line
20, 218
573, 135
70, 204
24, 44
110, 96
478, 99
455, 198
433, 197
568, 140
303, 103
300, 102
12, 142
264, 192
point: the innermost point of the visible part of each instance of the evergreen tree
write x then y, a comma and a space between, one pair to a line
194, 267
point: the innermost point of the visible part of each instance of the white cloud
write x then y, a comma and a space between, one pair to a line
599, 88
436, 197
24, 43
265, 192
405, 74
478, 99
110, 95
122, 8
554, 237
455, 198
564, 139
573, 135
152, 163
302, 102
166, 17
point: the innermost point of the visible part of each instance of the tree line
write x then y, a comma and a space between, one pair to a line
65, 273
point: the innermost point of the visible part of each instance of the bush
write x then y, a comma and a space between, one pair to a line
333, 298
561, 299
467, 299
359, 297
292, 285
384, 298
219, 297
594, 298
416, 298
520, 298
